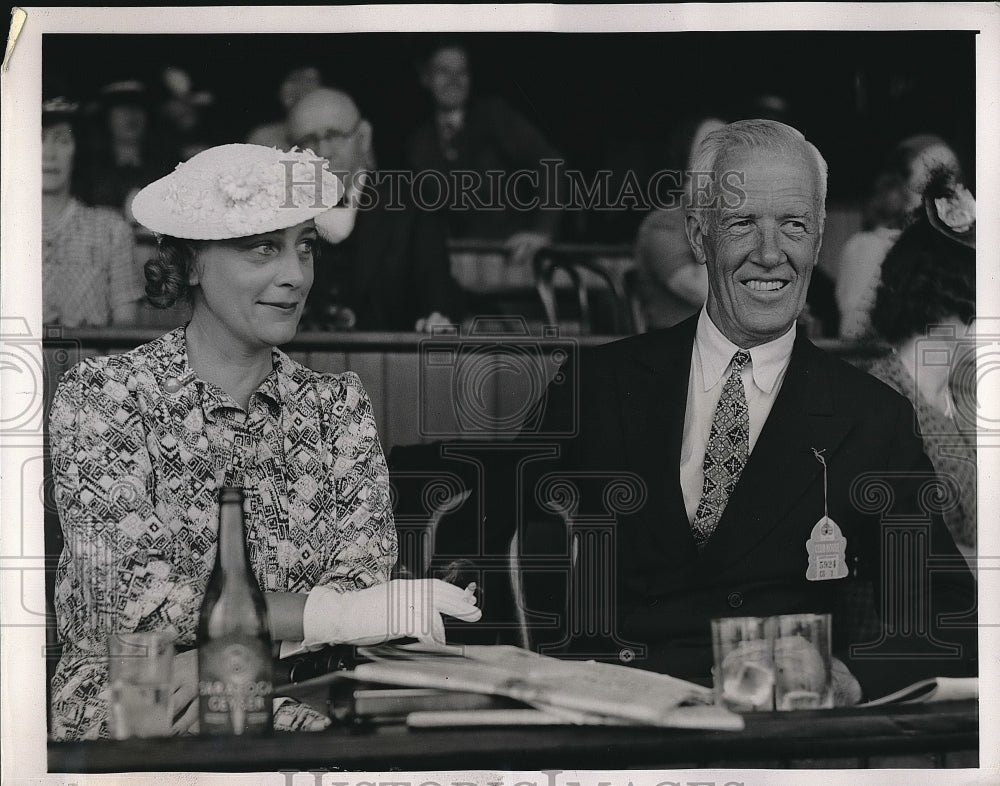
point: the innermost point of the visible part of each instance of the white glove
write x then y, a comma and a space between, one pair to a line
401, 607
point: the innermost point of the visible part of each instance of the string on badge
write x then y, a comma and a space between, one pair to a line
822, 460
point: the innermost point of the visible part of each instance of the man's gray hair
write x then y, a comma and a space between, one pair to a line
745, 135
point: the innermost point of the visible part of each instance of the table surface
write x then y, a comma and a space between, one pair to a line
866, 737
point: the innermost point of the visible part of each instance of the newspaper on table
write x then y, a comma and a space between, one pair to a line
931, 690
583, 692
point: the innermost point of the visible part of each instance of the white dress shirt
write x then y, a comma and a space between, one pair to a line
710, 368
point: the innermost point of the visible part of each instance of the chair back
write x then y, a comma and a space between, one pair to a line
588, 272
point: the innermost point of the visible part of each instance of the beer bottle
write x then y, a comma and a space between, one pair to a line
235, 688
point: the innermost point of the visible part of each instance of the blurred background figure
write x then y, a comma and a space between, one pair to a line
769, 105
388, 267
88, 270
670, 283
924, 307
896, 195
183, 113
481, 134
125, 154
296, 84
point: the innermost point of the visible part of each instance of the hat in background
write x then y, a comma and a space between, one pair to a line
124, 91
58, 108
950, 207
238, 190
58, 99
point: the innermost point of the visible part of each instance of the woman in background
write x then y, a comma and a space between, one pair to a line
670, 283
125, 150
925, 306
143, 441
88, 268
895, 198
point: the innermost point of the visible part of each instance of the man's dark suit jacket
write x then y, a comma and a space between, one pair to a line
391, 270
630, 405
494, 137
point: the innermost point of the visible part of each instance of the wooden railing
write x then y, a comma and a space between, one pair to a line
423, 388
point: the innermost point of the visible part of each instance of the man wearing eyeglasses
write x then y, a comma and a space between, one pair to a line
391, 271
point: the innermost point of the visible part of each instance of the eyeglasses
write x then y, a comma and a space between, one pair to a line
333, 137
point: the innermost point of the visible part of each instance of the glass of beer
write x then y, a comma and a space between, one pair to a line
743, 674
140, 668
802, 676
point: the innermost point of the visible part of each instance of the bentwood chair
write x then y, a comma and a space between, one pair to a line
586, 275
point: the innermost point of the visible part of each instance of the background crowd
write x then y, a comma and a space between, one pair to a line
883, 118
898, 246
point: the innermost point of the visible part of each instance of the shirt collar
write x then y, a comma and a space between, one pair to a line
767, 361
212, 397
60, 223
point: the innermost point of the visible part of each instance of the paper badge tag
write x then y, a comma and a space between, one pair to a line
827, 548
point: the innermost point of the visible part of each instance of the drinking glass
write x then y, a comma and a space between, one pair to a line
743, 674
140, 668
802, 678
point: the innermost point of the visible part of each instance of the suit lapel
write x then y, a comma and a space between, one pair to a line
782, 465
653, 398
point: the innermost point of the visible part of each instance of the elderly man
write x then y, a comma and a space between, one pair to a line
391, 270
737, 437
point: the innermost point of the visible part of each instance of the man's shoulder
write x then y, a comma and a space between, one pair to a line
849, 382
390, 199
654, 348
663, 219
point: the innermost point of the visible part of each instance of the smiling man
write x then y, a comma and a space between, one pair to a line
739, 437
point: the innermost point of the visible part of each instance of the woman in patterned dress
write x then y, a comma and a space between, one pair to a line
143, 441
925, 308
89, 271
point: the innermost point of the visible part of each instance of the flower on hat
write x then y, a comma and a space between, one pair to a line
238, 190
957, 210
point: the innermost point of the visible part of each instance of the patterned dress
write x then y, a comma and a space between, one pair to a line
140, 449
88, 266
951, 450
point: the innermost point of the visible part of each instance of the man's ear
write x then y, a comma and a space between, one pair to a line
365, 136
696, 238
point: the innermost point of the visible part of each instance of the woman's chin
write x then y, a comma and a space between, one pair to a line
281, 333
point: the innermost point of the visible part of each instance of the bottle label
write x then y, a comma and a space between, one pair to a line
235, 690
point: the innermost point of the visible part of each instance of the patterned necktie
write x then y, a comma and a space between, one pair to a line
726, 452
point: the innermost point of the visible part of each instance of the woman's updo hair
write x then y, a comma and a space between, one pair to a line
926, 277
168, 273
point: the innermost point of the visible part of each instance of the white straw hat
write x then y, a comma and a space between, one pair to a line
238, 190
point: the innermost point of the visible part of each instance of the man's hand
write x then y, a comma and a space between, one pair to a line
522, 246
185, 695
846, 689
